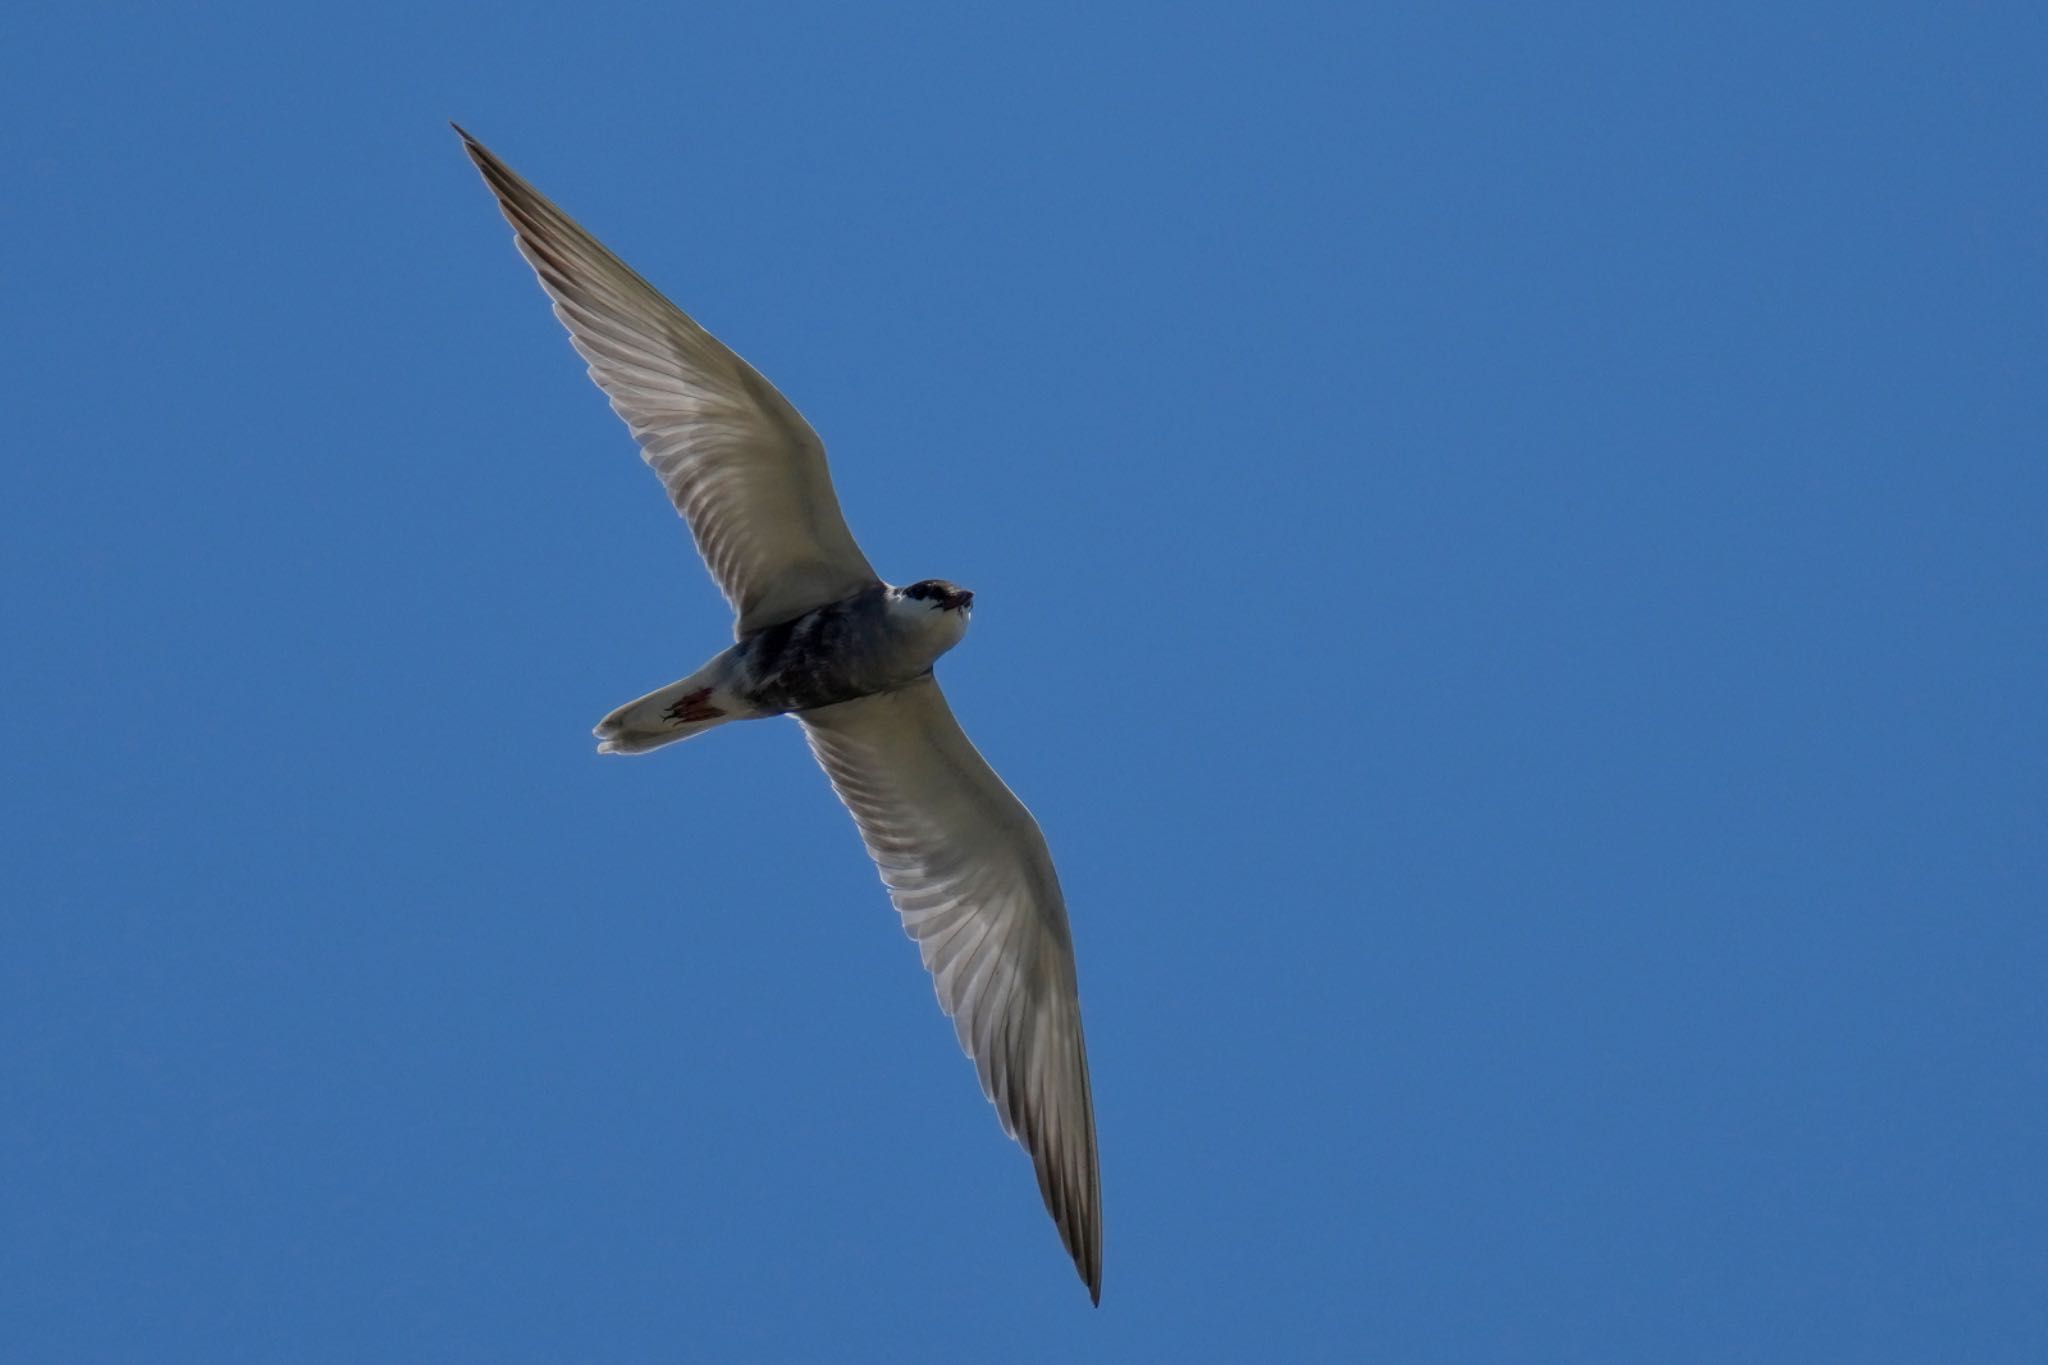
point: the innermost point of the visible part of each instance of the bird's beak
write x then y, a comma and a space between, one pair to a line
964, 600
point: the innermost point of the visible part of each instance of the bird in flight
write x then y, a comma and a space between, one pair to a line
820, 636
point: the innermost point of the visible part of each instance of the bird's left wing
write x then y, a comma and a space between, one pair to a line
969, 871
741, 465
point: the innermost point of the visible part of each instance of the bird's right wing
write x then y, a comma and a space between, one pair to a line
969, 872
745, 470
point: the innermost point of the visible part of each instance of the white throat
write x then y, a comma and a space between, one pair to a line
925, 625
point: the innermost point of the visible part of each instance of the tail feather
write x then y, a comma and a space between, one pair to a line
665, 715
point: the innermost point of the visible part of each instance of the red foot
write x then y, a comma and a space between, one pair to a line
691, 707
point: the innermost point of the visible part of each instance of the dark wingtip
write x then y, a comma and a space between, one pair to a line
478, 153
1088, 1263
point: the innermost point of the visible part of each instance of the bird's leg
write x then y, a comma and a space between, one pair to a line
694, 706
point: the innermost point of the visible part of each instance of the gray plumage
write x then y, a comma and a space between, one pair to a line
820, 636
840, 651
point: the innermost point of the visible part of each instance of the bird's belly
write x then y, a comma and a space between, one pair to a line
799, 682
827, 656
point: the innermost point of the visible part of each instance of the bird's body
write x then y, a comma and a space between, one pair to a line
875, 640
820, 636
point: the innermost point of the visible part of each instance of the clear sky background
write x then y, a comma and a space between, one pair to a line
1510, 554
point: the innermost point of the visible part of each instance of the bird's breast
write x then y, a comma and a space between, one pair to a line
832, 654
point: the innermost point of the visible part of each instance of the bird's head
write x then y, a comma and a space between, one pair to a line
934, 613
936, 594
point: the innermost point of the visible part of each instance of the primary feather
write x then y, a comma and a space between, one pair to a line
741, 465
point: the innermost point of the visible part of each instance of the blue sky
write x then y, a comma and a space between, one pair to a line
1510, 566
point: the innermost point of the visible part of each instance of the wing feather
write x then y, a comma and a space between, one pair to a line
969, 872
745, 470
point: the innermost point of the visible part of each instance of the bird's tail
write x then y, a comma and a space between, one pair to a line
682, 709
